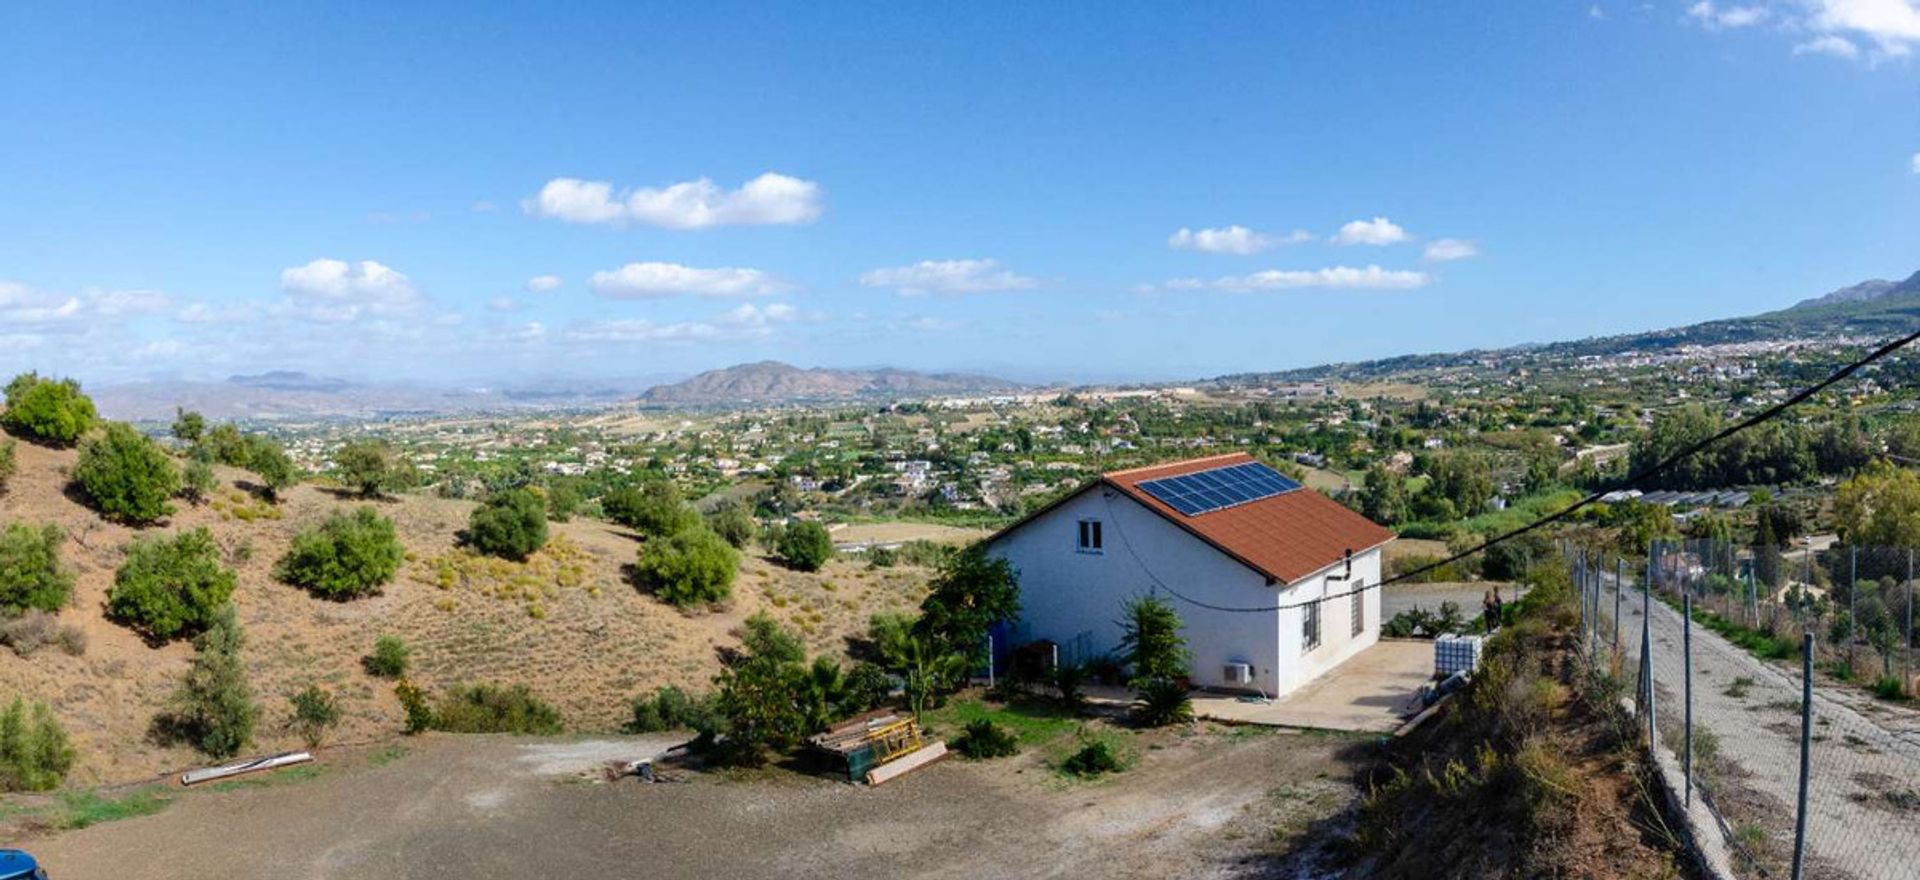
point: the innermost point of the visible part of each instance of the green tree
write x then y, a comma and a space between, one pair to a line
170, 587
188, 426
758, 692
693, 567
1879, 507
373, 468
126, 475
655, 509
1151, 645
31, 576
226, 445
971, 592
563, 501
1463, 478
8, 461
510, 524
806, 545
314, 714
197, 481
733, 522
213, 709
1383, 496
48, 411
345, 557
35, 754
268, 460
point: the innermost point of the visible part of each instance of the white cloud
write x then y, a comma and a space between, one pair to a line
202, 312
653, 279
1596, 13
1828, 44
127, 302
1331, 278
334, 291
544, 283
1442, 250
1231, 240
1714, 16
1916, 163
770, 199
502, 304
1378, 231
1893, 25
948, 276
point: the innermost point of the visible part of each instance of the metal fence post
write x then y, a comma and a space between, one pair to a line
1853, 590
1646, 653
1806, 745
1906, 665
1620, 583
1686, 650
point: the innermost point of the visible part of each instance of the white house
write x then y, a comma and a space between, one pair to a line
1269, 577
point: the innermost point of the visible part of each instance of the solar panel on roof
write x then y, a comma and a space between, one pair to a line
1207, 491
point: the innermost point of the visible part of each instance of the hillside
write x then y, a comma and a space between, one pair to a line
598, 643
775, 382
282, 394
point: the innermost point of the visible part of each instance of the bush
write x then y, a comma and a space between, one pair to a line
1161, 702
31, 576
563, 501
268, 461
37, 629
213, 709
985, 739
691, 568
197, 481
414, 701
46, 410
733, 524
1070, 679
373, 468
1094, 759
8, 461
345, 557
490, 708
314, 713
806, 546
389, 659
511, 524
34, 752
171, 586
1150, 641
670, 708
126, 475
226, 445
655, 509
188, 426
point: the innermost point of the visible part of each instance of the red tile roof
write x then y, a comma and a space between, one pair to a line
1285, 537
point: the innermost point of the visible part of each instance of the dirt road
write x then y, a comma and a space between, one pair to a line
1199, 805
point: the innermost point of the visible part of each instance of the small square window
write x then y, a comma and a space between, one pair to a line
1090, 538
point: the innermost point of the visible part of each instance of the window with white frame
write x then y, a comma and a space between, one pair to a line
1309, 626
1090, 540
1358, 608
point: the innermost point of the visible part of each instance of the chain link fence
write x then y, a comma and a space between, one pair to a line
1781, 681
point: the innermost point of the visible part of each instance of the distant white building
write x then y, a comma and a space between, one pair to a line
1269, 577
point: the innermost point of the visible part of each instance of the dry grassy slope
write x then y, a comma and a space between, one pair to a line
599, 643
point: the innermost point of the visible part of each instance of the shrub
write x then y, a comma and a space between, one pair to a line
691, 568
1161, 702
868, 686
47, 410
511, 524
1070, 679
268, 461
226, 445
197, 481
971, 592
31, 576
314, 713
1093, 759
734, 524
126, 475
985, 739
188, 426
7, 461
34, 752
806, 546
37, 629
389, 659
213, 709
373, 468
414, 701
563, 501
1150, 640
490, 708
655, 509
171, 586
670, 708
345, 557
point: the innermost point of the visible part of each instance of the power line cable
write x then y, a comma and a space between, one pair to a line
1632, 480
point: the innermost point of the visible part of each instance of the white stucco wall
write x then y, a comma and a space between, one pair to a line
1337, 642
1065, 592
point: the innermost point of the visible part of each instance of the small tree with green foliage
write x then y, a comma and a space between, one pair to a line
47, 411
563, 501
758, 692
8, 461
1150, 642
373, 468
170, 587
213, 709
670, 708
971, 592
31, 576
806, 546
225, 444
693, 567
188, 426
314, 714
413, 701
345, 557
655, 509
510, 524
35, 754
126, 475
268, 460
734, 523
389, 659
197, 481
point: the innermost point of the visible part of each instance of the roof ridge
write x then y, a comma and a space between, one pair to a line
1168, 464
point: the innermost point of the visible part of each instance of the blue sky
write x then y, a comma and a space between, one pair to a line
370, 192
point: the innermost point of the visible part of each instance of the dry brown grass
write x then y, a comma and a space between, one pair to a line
567, 622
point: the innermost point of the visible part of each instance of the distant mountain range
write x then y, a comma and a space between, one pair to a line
775, 382
1872, 308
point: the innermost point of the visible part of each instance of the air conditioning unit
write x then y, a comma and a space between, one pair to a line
1239, 673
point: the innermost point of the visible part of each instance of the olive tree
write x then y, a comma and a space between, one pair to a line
510, 524
170, 587
693, 567
49, 411
345, 557
126, 475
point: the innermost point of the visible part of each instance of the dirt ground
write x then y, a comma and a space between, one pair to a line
890, 532
1213, 803
597, 642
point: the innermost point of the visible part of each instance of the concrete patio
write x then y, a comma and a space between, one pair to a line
1374, 692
